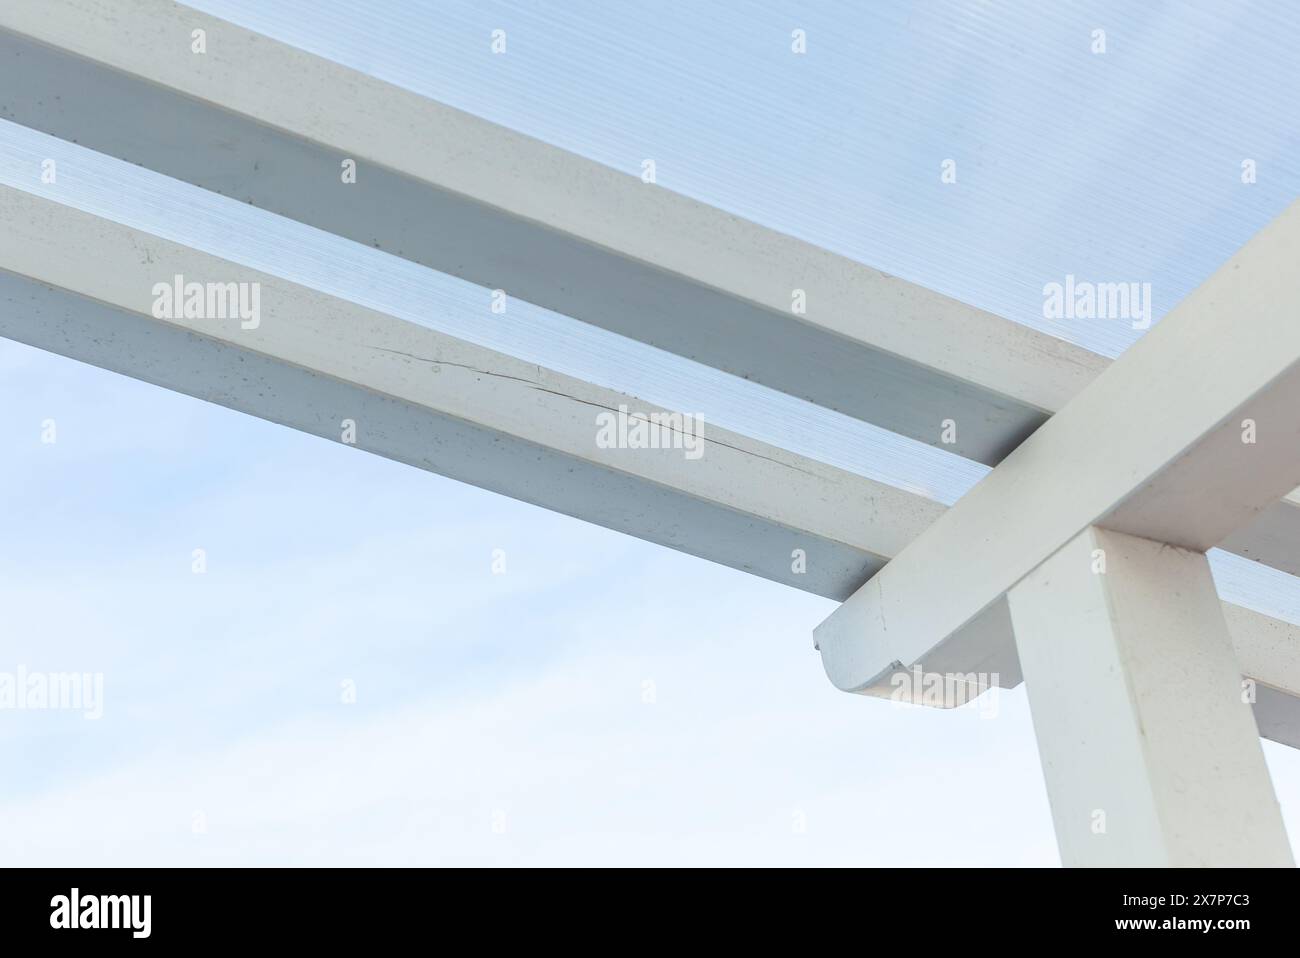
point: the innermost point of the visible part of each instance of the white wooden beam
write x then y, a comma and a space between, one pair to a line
270, 125
1149, 749
1154, 447
1273, 538
1268, 651
82, 286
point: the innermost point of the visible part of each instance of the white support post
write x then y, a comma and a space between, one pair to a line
1149, 747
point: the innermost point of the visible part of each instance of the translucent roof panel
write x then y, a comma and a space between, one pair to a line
1117, 166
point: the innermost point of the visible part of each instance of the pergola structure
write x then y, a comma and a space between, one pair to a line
1077, 564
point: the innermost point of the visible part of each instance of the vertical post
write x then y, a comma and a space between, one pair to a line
1148, 743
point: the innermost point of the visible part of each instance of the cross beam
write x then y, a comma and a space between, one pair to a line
1186, 438
1154, 447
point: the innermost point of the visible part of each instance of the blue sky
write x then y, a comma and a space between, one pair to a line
520, 698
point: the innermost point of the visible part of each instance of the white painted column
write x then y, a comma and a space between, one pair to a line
1150, 752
